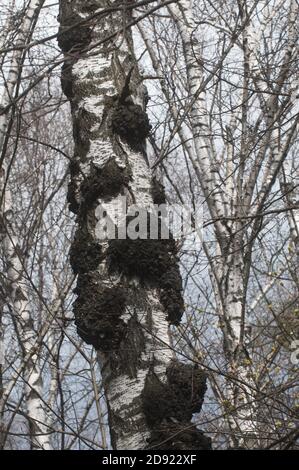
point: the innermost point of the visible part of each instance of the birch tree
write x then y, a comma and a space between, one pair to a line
236, 150
128, 291
16, 286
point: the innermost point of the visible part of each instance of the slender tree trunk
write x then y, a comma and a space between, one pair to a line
128, 291
229, 270
15, 66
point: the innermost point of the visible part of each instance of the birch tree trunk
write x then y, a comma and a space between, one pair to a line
229, 272
128, 291
18, 298
16, 293
229, 196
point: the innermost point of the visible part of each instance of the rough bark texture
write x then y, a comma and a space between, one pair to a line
17, 297
128, 291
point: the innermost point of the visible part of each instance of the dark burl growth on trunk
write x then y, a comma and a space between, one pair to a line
105, 182
155, 262
130, 122
170, 293
66, 78
168, 407
158, 192
85, 253
179, 398
97, 312
71, 197
180, 436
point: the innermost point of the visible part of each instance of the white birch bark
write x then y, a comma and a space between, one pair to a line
228, 271
95, 76
20, 305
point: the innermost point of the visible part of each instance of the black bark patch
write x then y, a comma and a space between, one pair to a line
128, 358
85, 253
178, 398
131, 123
158, 192
105, 182
132, 347
74, 167
72, 194
178, 436
97, 312
81, 137
155, 263
71, 197
74, 35
83, 123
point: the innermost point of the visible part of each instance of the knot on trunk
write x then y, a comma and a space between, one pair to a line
74, 34
168, 407
105, 182
157, 191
